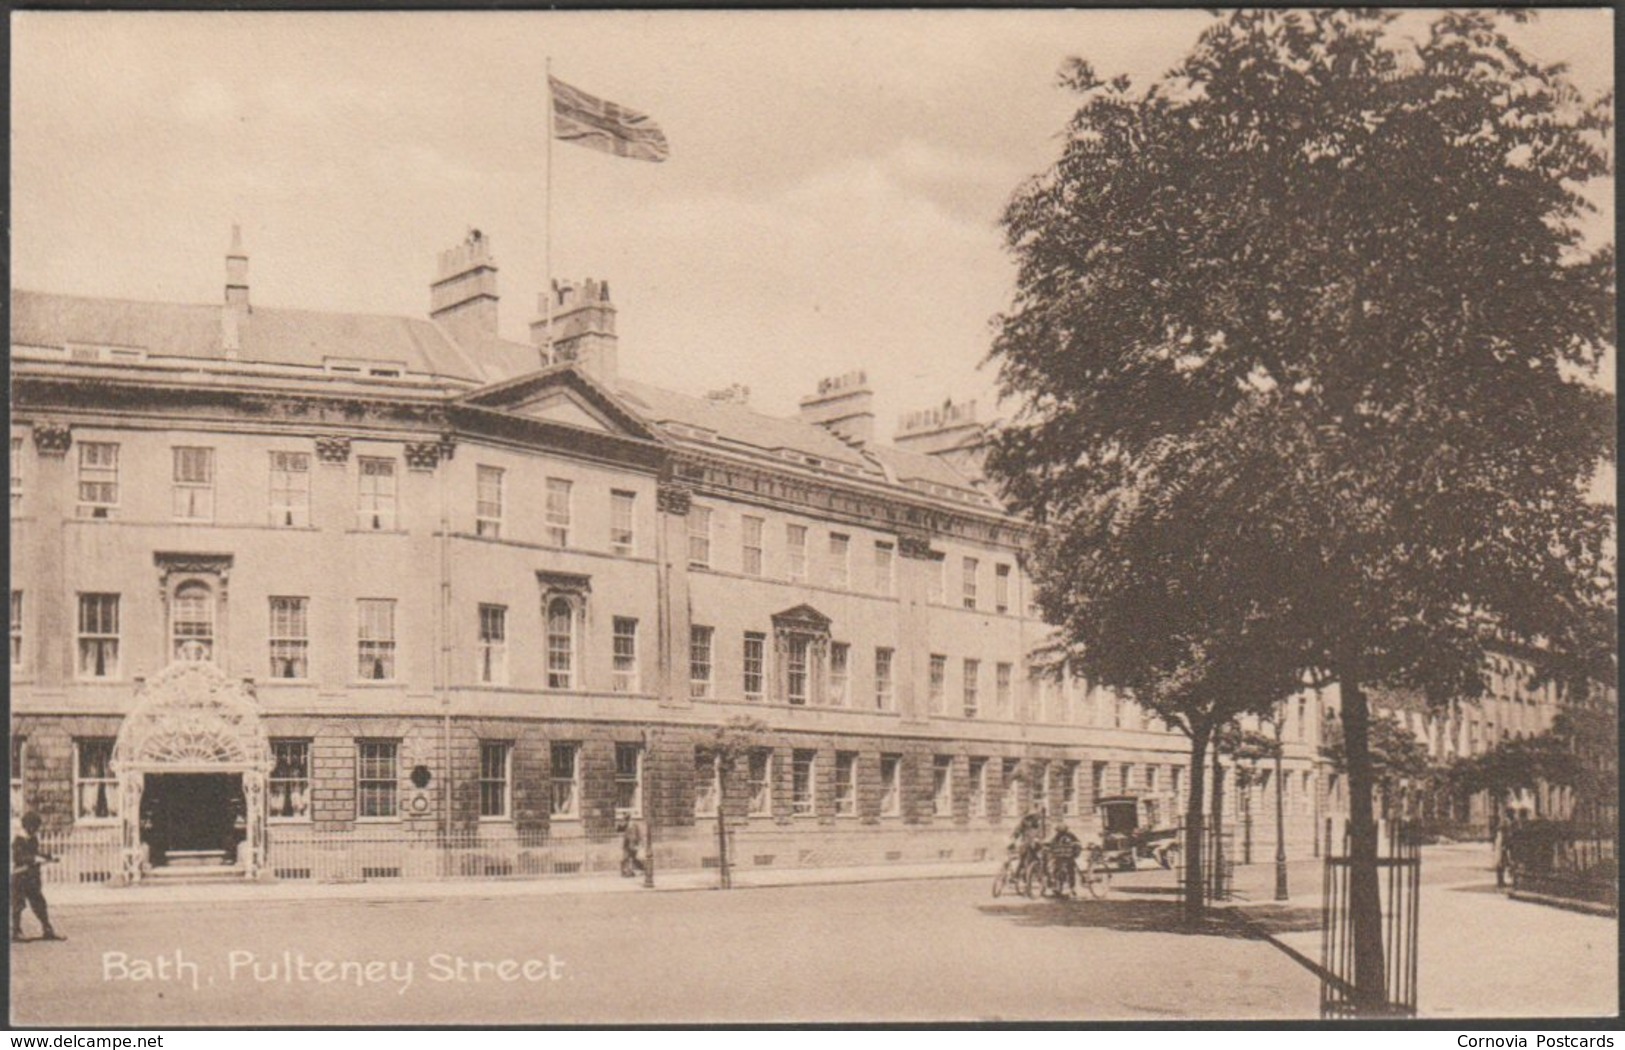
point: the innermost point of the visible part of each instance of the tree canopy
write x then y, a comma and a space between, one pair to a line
1301, 345
1313, 312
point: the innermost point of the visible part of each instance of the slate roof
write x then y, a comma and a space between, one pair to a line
307, 338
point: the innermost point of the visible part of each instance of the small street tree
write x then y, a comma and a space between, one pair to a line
729, 742
1397, 757
1322, 296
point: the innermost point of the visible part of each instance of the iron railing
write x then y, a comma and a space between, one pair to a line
1569, 862
1399, 875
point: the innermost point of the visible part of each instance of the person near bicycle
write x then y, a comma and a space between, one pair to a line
1062, 852
1026, 842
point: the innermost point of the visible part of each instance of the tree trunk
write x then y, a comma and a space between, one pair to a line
1195, 897
1365, 901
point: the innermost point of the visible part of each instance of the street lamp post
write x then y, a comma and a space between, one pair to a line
649, 814
1280, 815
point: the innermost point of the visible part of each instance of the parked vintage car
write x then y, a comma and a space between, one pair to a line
1129, 845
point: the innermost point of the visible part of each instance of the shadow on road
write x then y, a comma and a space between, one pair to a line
1153, 916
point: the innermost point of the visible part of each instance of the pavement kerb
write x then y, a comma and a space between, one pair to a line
87, 897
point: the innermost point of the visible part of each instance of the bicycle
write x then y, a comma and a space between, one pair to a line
1020, 872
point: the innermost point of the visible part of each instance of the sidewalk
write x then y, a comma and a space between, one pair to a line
101, 896
1479, 953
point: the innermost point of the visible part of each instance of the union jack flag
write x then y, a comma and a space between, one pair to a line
604, 126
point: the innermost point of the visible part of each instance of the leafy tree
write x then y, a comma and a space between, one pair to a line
1302, 333
1396, 754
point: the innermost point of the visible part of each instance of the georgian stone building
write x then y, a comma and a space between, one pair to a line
282, 576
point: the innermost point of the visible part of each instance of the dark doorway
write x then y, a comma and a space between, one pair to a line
192, 818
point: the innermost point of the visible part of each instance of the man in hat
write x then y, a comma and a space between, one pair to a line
26, 858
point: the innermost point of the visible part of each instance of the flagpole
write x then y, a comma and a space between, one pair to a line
547, 236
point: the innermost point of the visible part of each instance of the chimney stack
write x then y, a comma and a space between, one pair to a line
463, 296
949, 432
236, 311
583, 328
844, 405
732, 394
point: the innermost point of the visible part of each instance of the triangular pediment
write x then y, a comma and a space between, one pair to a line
566, 395
803, 617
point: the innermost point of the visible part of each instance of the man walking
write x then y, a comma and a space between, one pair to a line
26, 858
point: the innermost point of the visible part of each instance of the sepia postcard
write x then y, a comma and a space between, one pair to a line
558, 518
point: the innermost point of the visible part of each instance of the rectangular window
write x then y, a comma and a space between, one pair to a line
883, 679
19, 752
699, 537
1126, 781
377, 779
495, 758
622, 535
755, 656
938, 684
978, 787
1001, 588
891, 785
290, 637
840, 673
625, 679
561, 646
17, 635
1069, 788
193, 491
95, 788
1302, 727
970, 570
885, 553
375, 501
16, 486
1151, 779
707, 783
942, 786
290, 489
795, 669
760, 777
699, 662
98, 636
558, 512
973, 687
801, 782
839, 548
628, 780
750, 529
375, 639
846, 784
98, 479
795, 545
936, 586
289, 783
1176, 774
494, 644
565, 778
1002, 674
488, 502
1097, 782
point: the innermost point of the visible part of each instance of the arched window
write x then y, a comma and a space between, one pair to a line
560, 643
191, 623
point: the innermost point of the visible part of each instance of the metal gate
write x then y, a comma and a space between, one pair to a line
1399, 878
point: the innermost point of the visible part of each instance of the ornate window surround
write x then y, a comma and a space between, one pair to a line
575, 589
806, 624
176, 569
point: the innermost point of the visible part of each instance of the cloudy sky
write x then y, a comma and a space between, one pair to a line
831, 200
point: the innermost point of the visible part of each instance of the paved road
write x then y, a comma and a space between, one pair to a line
904, 951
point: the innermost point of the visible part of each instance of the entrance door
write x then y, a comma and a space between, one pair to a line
192, 817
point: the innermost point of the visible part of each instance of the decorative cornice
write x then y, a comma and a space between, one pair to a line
448, 445
916, 545
333, 449
875, 510
187, 563
53, 439
674, 499
422, 455
563, 582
